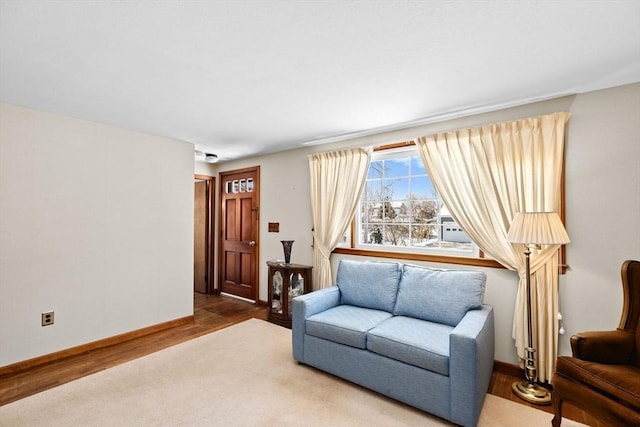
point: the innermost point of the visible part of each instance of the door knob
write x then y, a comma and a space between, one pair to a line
252, 243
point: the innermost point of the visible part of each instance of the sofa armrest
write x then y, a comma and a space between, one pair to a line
610, 347
471, 357
307, 305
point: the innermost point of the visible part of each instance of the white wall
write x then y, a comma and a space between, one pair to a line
602, 182
603, 205
96, 223
202, 168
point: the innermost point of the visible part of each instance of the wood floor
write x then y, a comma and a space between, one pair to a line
211, 313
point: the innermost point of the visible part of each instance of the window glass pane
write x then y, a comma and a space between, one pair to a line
422, 235
421, 187
367, 211
371, 234
373, 190
425, 210
397, 234
398, 189
417, 167
375, 169
397, 167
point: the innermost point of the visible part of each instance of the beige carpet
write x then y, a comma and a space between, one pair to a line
243, 375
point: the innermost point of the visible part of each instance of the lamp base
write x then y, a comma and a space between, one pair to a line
532, 393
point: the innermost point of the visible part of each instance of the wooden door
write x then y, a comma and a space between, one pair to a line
239, 219
200, 241
203, 208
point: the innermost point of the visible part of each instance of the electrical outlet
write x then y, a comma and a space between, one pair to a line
47, 318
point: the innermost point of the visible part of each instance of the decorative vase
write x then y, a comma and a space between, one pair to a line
286, 245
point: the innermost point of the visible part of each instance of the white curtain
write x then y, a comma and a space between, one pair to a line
487, 174
337, 180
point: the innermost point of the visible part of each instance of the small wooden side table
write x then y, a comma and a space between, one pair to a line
286, 281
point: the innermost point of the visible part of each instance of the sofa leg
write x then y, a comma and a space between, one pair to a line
557, 410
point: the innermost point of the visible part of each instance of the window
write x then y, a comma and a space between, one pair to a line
400, 209
400, 214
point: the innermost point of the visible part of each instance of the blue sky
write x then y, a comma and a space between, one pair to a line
397, 173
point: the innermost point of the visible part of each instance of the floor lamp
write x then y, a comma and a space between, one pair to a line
534, 229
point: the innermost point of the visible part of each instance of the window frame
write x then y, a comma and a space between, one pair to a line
479, 261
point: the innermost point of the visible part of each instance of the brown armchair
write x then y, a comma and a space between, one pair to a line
603, 376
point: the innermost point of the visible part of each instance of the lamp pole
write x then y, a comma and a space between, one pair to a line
529, 390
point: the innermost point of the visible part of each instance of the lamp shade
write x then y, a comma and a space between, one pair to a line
540, 228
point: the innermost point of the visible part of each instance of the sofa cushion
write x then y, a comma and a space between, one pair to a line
441, 296
369, 284
345, 324
413, 341
618, 381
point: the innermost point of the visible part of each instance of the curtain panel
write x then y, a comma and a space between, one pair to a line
484, 176
337, 180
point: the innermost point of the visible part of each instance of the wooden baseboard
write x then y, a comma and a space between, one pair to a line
84, 348
508, 369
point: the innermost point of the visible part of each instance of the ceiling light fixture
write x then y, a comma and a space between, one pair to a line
201, 156
211, 158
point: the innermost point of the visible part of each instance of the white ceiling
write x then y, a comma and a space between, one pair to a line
241, 78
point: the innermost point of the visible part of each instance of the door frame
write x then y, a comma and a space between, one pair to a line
209, 230
221, 219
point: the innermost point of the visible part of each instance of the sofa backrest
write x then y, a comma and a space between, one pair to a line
369, 284
442, 296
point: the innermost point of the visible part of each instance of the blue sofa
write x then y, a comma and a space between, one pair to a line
419, 335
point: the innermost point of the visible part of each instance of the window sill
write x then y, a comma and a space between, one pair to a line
478, 262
